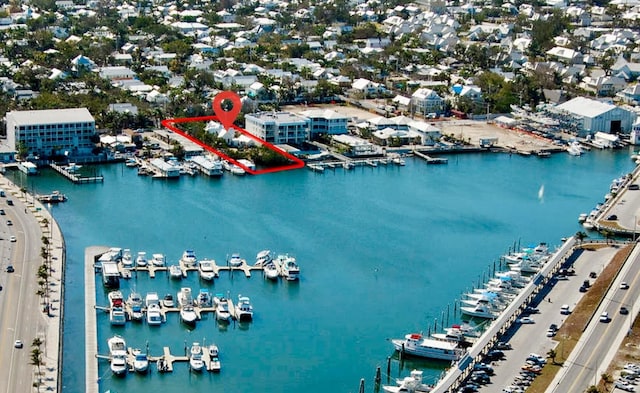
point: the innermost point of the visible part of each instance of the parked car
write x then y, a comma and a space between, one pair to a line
495, 355
9, 202
503, 345
551, 333
565, 309
2, 213
593, 275
553, 327
10, 269
634, 186
9, 222
612, 217
624, 386
531, 310
525, 320
18, 344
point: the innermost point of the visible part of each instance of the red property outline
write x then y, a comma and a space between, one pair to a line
170, 124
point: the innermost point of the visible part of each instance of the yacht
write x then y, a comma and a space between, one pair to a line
244, 309
417, 345
154, 315
141, 259
412, 384
214, 356
115, 298
189, 258
185, 298
195, 359
462, 334
135, 303
271, 271
117, 316
127, 259
118, 354
222, 308
263, 257
289, 267
235, 260
175, 271
157, 260
167, 301
205, 268
574, 148
480, 310
204, 298
188, 315
151, 298
119, 364
140, 361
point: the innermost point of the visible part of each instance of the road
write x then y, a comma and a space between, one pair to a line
526, 339
21, 315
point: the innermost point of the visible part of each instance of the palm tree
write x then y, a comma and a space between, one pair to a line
36, 358
552, 355
581, 236
606, 234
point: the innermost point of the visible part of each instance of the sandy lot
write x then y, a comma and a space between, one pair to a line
469, 130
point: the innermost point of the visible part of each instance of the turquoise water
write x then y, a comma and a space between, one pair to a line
383, 251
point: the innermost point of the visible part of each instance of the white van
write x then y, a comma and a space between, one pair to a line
565, 309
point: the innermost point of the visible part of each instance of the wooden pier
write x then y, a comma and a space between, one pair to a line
75, 178
429, 159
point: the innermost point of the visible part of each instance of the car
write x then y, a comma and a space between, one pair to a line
634, 186
593, 275
612, 217
2, 213
537, 358
486, 368
503, 345
604, 317
586, 283
525, 320
624, 386
553, 327
9, 222
531, 310
481, 379
9, 202
12, 239
18, 344
10, 269
495, 355
551, 333
624, 285
565, 309
624, 310
583, 289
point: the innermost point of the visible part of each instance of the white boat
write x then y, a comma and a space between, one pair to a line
115, 299
205, 268
348, 165
412, 384
222, 308
215, 359
161, 365
195, 359
72, 167
417, 345
289, 267
167, 301
582, 217
270, 270
127, 259
574, 148
151, 298
462, 334
244, 309
154, 315
175, 271
141, 259
185, 298
480, 310
118, 354
588, 224
204, 298
157, 260
140, 361
188, 315
135, 302
263, 257
189, 258
117, 316
235, 260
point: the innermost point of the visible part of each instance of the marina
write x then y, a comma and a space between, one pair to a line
235, 231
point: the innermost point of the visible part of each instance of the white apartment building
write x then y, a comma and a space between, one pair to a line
52, 132
278, 127
326, 121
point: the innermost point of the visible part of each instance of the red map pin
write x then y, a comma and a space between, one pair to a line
225, 111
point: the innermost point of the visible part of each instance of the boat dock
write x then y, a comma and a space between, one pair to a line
429, 159
75, 178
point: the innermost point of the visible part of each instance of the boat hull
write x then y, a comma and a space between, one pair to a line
430, 349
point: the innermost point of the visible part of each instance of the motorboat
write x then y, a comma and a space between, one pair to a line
464, 335
167, 301
205, 268
154, 315
204, 298
136, 313
235, 260
175, 271
117, 315
161, 365
480, 310
411, 384
118, 354
115, 299
271, 271
263, 258
289, 267
127, 259
141, 259
189, 258
582, 217
140, 361
195, 359
188, 314
222, 308
135, 303
54, 197
215, 365
157, 260
151, 298
119, 364
416, 344
244, 309
185, 298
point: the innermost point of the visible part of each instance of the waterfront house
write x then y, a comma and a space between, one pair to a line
630, 95
426, 101
326, 121
278, 127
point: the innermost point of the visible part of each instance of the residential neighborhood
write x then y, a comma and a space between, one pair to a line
133, 65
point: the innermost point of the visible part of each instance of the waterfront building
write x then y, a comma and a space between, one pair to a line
278, 127
426, 101
52, 132
592, 116
326, 121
